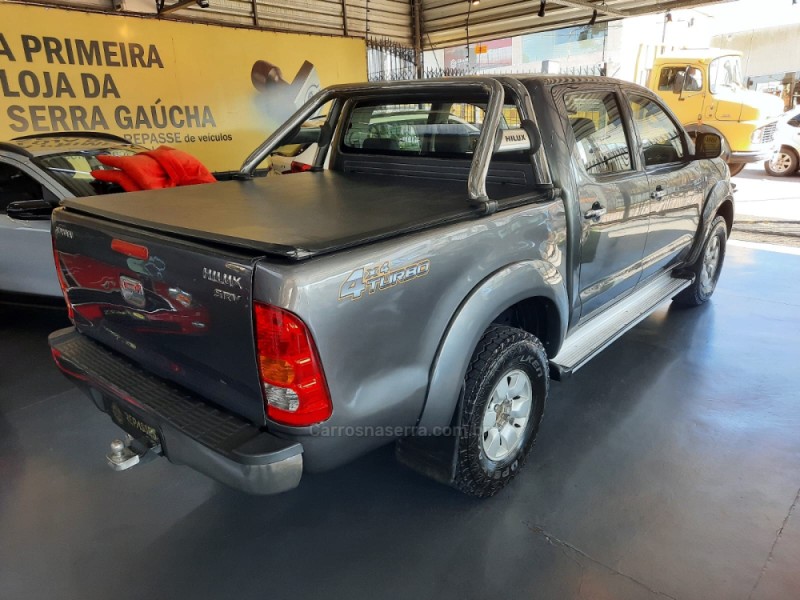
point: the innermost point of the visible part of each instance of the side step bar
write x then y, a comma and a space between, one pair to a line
588, 339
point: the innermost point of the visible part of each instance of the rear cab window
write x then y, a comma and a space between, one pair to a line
441, 129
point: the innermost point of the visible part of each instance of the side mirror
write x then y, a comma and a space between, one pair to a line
30, 210
677, 83
707, 145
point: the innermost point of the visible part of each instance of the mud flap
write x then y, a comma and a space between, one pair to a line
434, 456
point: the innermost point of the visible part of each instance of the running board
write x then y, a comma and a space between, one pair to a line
590, 338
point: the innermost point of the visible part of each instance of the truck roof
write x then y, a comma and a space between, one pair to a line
531, 79
704, 55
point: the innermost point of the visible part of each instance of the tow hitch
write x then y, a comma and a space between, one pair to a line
130, 453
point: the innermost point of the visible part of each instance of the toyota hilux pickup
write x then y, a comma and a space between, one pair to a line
420, 285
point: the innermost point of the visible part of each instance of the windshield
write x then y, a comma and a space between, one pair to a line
725, 71
73, 169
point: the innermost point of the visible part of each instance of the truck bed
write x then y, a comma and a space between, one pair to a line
293, 216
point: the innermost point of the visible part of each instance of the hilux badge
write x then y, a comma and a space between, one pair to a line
132, 291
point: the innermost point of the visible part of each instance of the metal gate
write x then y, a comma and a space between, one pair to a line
388, 60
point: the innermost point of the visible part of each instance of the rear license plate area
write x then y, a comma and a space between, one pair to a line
136, 426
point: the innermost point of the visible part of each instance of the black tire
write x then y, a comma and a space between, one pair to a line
735, 168
500, 352
785, 163
703, 287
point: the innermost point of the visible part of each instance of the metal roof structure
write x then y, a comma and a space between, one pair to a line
444, 22
390, 19
422, 23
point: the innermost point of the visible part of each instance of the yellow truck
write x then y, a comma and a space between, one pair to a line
704, 89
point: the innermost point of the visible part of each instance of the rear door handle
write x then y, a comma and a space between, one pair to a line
595, 212
659, 193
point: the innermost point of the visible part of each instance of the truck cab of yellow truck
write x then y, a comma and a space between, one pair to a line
705, 90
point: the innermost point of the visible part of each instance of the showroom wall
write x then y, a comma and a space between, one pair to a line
214, 91
766, 51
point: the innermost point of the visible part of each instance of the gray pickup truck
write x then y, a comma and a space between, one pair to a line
455, 245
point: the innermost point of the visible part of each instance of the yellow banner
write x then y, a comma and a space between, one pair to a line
213, 91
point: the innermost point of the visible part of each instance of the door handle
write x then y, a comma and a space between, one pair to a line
659, 193
595, 212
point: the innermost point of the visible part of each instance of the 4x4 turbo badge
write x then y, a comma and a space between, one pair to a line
377, 279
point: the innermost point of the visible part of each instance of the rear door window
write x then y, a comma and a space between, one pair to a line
597, 125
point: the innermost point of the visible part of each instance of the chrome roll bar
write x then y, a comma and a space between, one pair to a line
479, 168
541, 168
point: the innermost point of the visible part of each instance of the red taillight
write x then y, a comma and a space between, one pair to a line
63, 283
294, 387
60, 364
130, 249
298, 167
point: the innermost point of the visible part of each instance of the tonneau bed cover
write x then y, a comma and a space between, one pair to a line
293, 216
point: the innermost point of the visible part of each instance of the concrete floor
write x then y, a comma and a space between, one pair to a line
767, 208
669, 467
761, 196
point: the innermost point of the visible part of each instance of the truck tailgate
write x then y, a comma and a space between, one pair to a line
179, 309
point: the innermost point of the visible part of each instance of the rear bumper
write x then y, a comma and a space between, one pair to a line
191, 432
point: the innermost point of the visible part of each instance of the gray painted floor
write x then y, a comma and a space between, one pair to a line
669, 467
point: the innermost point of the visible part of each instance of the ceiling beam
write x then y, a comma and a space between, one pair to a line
590, 6
672, 5
165, 10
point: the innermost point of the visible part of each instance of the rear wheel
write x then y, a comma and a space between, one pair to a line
707, 267
735, 168
504, 395
783, 164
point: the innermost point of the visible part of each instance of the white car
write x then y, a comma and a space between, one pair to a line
294, 158
787, 159
299, 156
36, 172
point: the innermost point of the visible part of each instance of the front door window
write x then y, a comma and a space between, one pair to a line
661, 139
